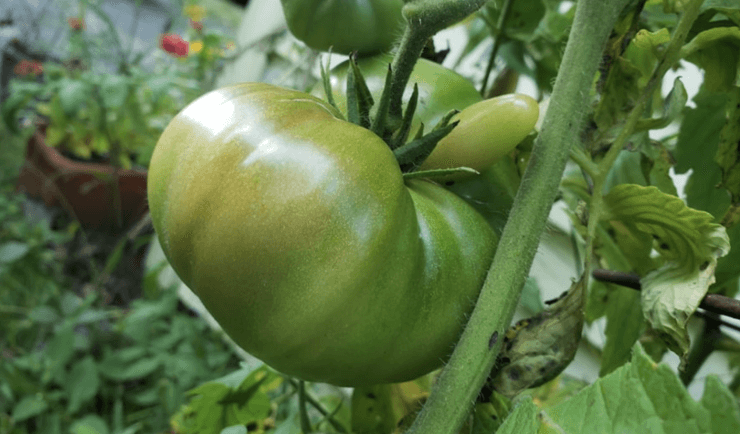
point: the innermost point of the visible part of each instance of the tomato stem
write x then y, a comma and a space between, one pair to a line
474, 356
302, 409
424, 18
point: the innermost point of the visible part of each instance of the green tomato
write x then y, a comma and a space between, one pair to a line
366, 26
488, 129
299, 234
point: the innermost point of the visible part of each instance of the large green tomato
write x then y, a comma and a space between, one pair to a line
487, 131
366, 26
300, 236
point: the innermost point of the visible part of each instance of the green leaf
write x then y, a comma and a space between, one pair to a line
14, 103
70, 303
523, 18
379, 124
72, 95
236, 429
90, 424
359, 98
697, 144
597, 301
114, 90
44, 315
12, 251
690, 243
140, 368
61, 348
625, 170
672, 108
717, 51
55, 135
722, 405
657, 162
28, 407
82, 383
522, 419
238, 398
728, 268
728, 154
379, 409
624, 325
621, 90
640, 397
408, 117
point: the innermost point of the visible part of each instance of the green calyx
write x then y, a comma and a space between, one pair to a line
359, 102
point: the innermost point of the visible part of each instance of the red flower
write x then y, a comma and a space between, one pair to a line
76, 24
197, 25
174, 44
28, 67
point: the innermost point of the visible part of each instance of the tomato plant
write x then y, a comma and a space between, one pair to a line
365, 26
604, 101
313, 255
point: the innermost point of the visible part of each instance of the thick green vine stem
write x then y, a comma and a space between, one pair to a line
424, 18
473, 358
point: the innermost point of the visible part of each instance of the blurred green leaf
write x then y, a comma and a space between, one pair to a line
12, 251
114, 90
72, 95
29, 406
524, 17
61, 347
90, 424
44, 315
82, 383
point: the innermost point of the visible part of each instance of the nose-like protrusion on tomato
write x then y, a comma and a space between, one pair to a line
487, 131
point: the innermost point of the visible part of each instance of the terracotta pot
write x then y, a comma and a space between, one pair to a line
85, 190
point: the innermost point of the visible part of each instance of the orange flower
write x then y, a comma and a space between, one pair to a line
76, 24
28, 67
197, 25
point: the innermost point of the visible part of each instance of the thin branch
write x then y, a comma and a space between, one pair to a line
716, 303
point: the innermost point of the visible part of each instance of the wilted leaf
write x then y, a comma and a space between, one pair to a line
690, 243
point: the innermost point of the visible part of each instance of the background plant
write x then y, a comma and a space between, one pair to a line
102, 99
71, 362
